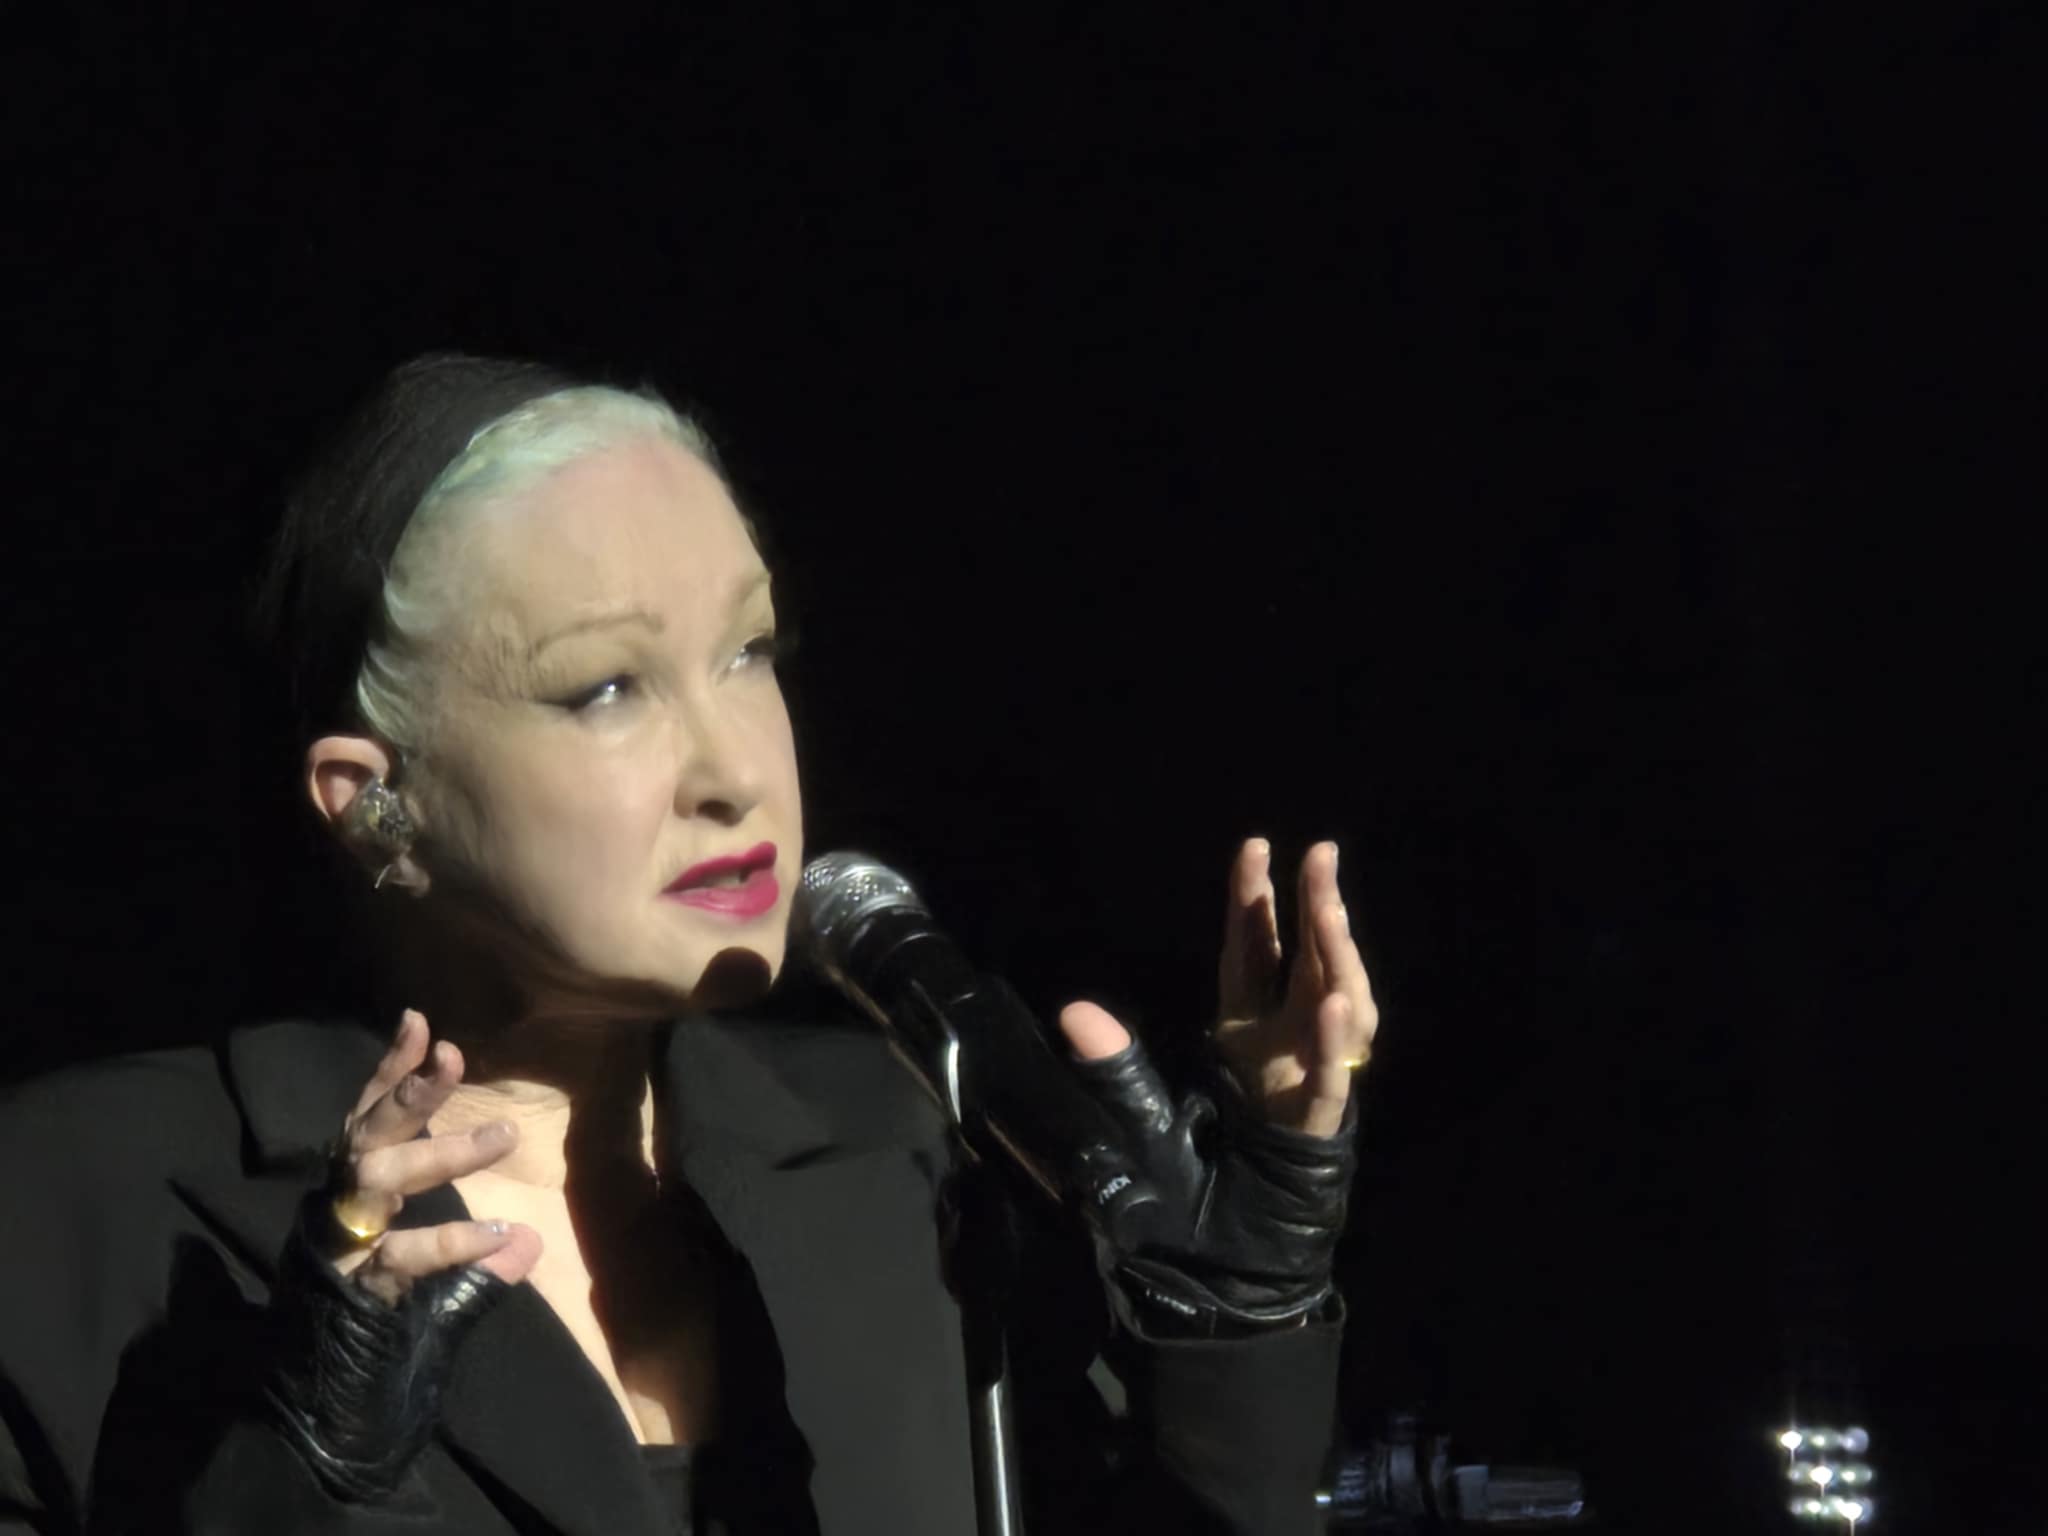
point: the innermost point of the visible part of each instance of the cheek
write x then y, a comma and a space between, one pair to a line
565, 828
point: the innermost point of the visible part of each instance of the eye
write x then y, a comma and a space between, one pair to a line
603, 694
763, 648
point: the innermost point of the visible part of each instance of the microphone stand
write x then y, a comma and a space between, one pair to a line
983, 1248
983, 1258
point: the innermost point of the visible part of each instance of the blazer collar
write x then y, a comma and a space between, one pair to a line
819, 1156
295, 1080
525, 1412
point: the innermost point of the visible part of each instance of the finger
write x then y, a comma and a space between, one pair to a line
514, 1262
1117, 1072
1315, 889
1251, 933
407, 1049
508, 1250
414, 1167
1344, 970
1329, 1079
415, 1099
364, 1213
1093, 1032
408, 1255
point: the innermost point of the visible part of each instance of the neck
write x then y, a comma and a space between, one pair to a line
569, 1071
564, 1132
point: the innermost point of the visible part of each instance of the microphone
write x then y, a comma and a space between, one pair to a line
974, 1044
979, 1051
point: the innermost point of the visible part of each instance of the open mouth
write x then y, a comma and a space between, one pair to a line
729, 872
741, 887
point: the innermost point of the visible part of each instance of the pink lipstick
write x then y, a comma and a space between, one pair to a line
753, 893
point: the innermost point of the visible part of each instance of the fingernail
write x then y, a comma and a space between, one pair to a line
498, 1228
1261, 847
1344, 917
497, 1134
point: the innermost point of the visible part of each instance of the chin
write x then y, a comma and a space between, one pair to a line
735, 978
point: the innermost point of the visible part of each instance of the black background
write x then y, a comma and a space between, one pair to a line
1577, 458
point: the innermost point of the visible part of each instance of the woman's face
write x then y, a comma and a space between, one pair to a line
605, 716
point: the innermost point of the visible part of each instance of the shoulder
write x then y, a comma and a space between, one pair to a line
113, 1142
91, 1127
110, 1144
88, 1208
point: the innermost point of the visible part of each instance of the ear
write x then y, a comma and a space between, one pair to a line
337, 768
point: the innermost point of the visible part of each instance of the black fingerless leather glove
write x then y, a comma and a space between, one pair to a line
1242, 1219
356, 1383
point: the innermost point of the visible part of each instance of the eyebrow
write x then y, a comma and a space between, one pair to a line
745, 588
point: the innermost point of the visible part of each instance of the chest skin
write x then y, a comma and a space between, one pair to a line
637, 1301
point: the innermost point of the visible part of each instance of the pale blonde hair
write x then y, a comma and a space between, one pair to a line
505, 456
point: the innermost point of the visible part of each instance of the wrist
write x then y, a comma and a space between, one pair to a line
1158, 1302
354, 1384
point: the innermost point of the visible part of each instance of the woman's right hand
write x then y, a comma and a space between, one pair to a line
365, 1336
383, 1159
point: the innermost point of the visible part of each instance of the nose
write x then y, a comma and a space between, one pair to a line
718, 767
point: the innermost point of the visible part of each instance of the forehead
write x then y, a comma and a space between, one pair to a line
642, 522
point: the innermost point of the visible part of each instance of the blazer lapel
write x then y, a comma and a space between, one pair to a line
526, 1408
820, 1159
525, 1412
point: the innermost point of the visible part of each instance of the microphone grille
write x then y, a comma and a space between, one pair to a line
838, 891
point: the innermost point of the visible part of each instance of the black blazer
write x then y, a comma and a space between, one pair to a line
146, 1197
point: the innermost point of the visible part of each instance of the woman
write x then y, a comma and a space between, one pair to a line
628, 1226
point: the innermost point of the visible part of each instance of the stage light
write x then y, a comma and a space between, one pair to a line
1825, 1461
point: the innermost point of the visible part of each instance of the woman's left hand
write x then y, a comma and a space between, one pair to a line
1293, 1035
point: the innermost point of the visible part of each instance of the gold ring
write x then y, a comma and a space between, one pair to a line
1353, 1063
363, 1228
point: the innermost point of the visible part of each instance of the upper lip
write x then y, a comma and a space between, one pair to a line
762, 856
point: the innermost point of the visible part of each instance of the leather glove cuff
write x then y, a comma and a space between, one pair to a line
1280, 1203
355, 1384
1242, 1227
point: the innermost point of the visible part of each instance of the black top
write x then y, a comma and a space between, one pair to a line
669, 1468
153, 1192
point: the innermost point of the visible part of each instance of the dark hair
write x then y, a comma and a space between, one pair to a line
317, 595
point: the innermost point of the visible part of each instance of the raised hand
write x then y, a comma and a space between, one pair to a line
1293, 1034
1244, 1188
368, 1320
382, 1161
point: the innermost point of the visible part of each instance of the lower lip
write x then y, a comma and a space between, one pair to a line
750, 898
